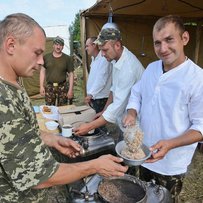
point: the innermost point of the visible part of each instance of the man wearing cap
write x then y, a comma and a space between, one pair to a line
127, 70
100, 77
57, 66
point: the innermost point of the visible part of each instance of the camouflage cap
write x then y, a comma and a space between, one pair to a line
58, 40
106, 35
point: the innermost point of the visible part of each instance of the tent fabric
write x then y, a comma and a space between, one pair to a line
32, 84
135, 19
185, 8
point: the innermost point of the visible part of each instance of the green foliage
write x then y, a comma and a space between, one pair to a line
74, 28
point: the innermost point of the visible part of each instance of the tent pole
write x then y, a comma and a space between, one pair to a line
84, 55
198, 35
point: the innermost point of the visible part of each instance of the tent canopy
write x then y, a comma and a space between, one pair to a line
184, 8
135, 19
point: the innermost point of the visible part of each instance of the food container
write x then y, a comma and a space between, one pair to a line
51, 125
122, 190
130, 162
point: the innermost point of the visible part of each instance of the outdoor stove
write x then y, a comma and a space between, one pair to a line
85, 190
95, 144
89, 193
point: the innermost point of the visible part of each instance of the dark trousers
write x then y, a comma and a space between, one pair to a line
98, 104
172, 183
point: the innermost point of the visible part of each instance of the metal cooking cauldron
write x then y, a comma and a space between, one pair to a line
149, 191
122, 190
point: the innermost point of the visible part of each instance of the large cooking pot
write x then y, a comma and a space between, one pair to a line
128, 185
122, 190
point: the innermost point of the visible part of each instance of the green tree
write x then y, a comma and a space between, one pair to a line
74, 30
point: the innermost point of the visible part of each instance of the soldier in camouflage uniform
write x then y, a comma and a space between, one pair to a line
56, 69
168, 101
24, 158
27, 166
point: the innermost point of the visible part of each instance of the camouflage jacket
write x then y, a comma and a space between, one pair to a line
25, 161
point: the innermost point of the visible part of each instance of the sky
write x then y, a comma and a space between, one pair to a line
46, 12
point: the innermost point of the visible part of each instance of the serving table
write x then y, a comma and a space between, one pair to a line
42, 120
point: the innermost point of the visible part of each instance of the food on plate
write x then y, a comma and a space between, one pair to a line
46, 110
133, 138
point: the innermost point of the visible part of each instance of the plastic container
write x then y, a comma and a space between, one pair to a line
51, 125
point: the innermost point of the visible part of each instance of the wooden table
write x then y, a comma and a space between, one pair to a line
41, 120
57, 155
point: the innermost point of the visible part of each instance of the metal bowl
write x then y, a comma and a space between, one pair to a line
132, 162
122, 189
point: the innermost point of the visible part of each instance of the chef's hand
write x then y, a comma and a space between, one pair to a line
98, 115
159, 150
129, 120
88, 99
82, 129
109, 165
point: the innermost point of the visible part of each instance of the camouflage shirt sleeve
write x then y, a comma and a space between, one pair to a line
25, 159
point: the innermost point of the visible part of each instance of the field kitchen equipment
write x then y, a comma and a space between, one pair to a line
94, 143
75, 115
127, 189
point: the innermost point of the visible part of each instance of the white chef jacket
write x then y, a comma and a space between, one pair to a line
126, 72
100, 77
168, 105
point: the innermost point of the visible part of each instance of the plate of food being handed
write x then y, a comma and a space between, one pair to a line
132, 149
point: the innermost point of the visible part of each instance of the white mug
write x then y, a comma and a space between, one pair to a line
67, 131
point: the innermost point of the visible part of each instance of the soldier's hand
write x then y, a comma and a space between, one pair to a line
42, 91
109, 165
64, 145
67, 147
70, 94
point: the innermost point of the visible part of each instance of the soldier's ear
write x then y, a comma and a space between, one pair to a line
10, 44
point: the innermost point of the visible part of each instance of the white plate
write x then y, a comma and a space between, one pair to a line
54, 115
